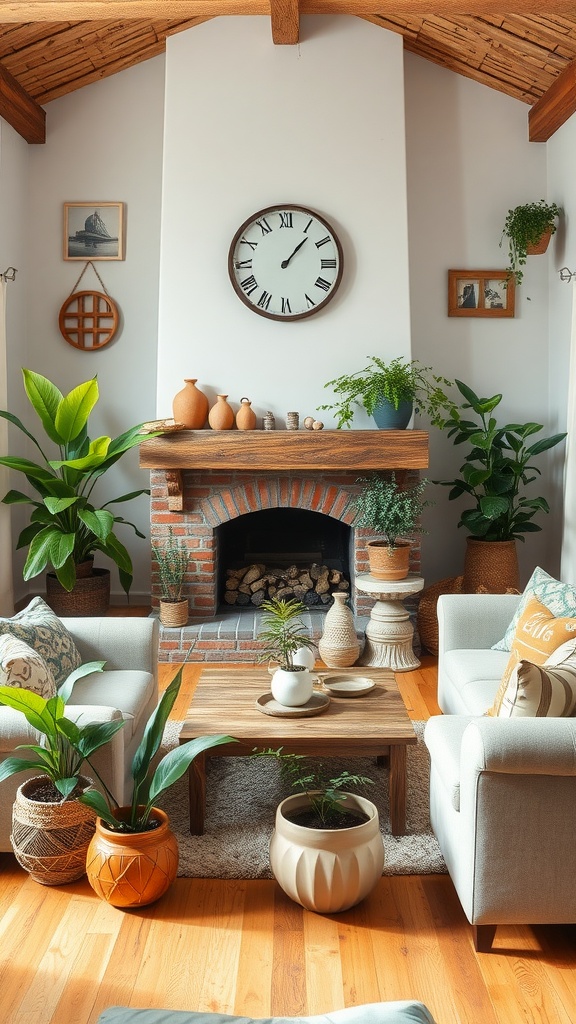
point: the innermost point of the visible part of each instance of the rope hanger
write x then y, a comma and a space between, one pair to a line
88, 320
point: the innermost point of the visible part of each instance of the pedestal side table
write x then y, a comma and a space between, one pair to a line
389, 632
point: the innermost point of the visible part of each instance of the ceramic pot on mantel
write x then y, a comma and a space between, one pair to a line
190, 406
245, 417
221, 415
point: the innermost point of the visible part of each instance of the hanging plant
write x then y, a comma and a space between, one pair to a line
524, 227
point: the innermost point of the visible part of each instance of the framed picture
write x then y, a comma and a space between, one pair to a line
480, 293
93, 231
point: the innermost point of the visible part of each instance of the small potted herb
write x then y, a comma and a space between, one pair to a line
172, 559
282, 635
389, 392
528, 229
394, 513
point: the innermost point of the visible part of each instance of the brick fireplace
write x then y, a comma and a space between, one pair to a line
202, 479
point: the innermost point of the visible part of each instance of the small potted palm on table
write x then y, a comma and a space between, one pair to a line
284, 640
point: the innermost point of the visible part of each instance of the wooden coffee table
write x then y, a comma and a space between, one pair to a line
374, 725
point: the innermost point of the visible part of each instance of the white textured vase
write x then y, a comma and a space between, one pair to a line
326, 870
292, 689
338, 646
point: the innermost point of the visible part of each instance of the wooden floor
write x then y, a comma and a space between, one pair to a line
244, 947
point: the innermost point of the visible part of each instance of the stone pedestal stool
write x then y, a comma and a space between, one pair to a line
389, 632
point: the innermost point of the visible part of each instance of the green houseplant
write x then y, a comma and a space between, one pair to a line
393, 512
66, 526
172, 560
400, 385
282, 634
498, 465
524, 227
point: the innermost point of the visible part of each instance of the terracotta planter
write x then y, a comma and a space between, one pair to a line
490, 566
540, 247
50, 840
89, 596
190, 406
132, 869
174, 613
389, 563
326, 870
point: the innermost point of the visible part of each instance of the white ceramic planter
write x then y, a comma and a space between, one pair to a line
326, 870
292, 689
306, 657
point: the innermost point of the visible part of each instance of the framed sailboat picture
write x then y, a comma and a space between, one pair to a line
93, 231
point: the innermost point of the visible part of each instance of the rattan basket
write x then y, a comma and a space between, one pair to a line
90, 595
50, 840
426, 618
174, 613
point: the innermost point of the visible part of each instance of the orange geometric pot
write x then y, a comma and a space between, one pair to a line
132, 869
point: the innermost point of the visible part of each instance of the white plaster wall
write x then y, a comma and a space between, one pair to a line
104, 142
469, 161
247, 125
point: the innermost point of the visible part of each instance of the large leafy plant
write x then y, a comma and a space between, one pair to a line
390, 510
66, 744
283, 632
66, 526
497, 467
152, 778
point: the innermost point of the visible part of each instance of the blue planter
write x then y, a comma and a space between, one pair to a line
389, 418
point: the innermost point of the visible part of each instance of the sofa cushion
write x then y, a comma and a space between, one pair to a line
396, 1012
543, 691
474, 677
559, 598
21, 666
40, 628
129, 690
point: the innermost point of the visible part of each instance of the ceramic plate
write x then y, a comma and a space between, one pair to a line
348, 686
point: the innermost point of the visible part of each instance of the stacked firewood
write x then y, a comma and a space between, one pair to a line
256, 583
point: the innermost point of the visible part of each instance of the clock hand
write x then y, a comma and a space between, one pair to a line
285, 263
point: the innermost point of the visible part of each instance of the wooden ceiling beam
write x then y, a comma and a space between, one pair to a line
20, 110
553, 108
285, 18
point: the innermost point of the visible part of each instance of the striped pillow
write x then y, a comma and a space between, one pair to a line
542, 691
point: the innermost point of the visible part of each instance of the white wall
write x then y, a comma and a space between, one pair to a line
469, 161
248, 125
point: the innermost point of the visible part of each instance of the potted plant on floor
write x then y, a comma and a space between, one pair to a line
51, 829
499, 464
282, 635
389, 392
133, 856
393, 512
528, 229
172, 560
66, 526
326, 851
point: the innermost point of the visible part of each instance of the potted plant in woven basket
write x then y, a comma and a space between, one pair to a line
326, 851
132, 858
528, 229
51, 829
385, 508
66, 526
172, 559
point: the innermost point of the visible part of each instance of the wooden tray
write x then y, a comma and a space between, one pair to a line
315, 706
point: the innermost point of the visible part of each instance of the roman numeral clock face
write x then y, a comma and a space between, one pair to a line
285, 262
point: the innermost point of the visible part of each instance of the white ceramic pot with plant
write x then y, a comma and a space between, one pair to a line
282, 635
393, 512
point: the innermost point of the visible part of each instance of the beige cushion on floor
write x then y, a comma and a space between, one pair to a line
23, 667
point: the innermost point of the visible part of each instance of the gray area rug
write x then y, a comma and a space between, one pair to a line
238, 830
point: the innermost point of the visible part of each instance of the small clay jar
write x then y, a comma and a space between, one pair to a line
245, 417
221, 415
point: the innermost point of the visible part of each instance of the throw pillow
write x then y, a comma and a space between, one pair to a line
21, 666
538, 633
540, 691
559, 597
40, 628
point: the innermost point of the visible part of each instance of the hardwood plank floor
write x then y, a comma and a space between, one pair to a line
244, 947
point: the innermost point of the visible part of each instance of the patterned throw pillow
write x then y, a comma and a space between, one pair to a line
38, 626
543, 691
559, 597
21, 666
538, 634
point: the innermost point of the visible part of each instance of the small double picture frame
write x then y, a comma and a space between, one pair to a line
481, 293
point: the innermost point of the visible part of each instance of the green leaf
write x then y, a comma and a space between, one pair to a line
66, 574
86, 669
66, 786
175, 763
45, 398
492, 507
545, 444
12, 765
97, 735
152, 737
57, 505
39, 552
96, 456
61, 548
32, 706
94, 799
98, 521
73, 411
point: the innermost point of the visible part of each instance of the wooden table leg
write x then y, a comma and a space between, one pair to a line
398, 789
197, 794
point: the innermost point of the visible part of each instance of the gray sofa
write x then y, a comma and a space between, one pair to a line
502, 790
128, 689
399, 1012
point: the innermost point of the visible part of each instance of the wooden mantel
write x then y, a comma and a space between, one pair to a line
250, 451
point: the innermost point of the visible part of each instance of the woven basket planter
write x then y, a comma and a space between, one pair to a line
174, 613
89, 596
427, 616
491, 567
50, 840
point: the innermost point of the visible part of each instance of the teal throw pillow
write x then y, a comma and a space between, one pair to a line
40, 628
559, 598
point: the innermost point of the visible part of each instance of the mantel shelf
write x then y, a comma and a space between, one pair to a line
278, 450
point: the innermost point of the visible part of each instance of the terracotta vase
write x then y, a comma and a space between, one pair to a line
338, 646
389, 563
221, 415
245, 417
50, 840
327, 870
190, 406
540, 247
490, 566
132, 869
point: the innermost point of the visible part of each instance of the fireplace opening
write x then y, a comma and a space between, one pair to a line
284, 553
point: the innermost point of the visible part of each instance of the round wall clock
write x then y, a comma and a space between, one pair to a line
285, 262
